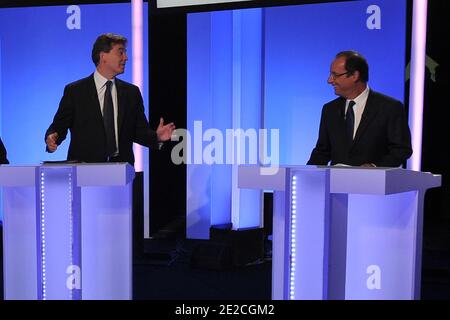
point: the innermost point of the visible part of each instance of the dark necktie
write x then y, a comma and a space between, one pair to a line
350, 120
108, 121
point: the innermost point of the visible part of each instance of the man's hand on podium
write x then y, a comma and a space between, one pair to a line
51, 142
368, 165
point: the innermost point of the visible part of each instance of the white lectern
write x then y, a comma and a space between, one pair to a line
67, 231
345, 233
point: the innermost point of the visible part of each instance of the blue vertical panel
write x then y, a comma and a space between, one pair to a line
221, 104
249, 106
198, 191
209, 105
224, 93
19, 235
300, 44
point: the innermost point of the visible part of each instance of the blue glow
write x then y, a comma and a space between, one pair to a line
301, 42
298, 44
224, 92
250, 103
200, 81
40, 56
221, 115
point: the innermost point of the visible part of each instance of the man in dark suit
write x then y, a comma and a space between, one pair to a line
3, 159
104, 114
361, 127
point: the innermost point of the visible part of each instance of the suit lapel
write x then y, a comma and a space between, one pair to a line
339, 120
341, 117
121, 103
368, 115
93, 96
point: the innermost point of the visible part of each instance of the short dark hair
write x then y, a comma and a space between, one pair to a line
354, 61
104, 43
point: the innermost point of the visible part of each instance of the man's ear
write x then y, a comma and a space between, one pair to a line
356, 76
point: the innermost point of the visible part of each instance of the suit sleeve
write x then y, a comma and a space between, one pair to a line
399, 139
3, 158
321, 154
63, 118
143, 134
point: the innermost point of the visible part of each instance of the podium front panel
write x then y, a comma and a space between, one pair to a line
67, 231
353, 233
19, 243
381, 246
106, 247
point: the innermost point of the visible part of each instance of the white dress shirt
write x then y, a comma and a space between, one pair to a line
100, 84
358, 108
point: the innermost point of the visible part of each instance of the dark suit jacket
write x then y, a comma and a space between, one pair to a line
79, 111
382, 138
3, 159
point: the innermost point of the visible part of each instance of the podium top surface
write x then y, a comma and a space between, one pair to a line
354, 180
87, 174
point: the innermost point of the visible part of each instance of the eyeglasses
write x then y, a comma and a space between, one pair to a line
337, 75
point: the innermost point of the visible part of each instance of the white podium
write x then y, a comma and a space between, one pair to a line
67, 231
345, 233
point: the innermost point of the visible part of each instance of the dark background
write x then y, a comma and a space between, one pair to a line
436, 132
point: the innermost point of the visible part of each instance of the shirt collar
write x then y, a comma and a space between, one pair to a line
100, 80
362, 98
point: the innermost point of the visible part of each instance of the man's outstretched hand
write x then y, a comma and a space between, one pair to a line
164, 132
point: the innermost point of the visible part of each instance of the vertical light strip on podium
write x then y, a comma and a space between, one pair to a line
58, 234
309, 195
300, 229
293, 252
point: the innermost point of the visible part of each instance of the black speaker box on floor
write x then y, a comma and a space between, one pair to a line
212, 256
247, 245
229, 247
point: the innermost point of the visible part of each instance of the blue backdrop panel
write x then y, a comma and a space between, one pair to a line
40, 55
301, 42
224, 92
